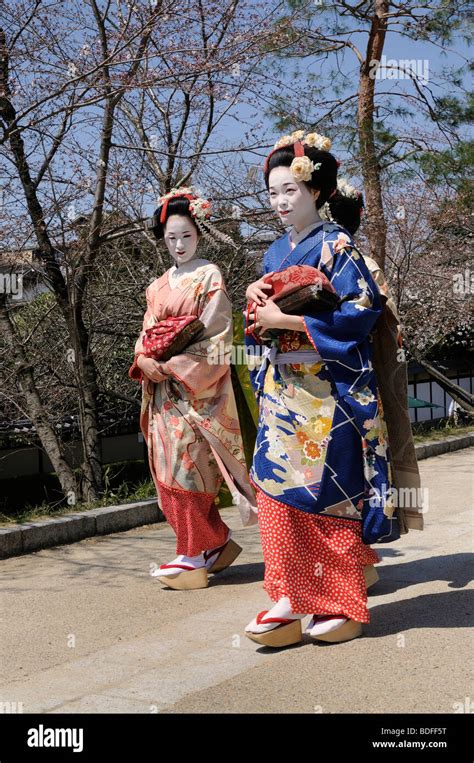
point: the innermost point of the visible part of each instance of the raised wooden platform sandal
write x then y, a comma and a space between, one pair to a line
285, 633
228, 553
348, 630
370, 575
186, 580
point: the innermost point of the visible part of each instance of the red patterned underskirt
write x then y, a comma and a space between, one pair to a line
314, 560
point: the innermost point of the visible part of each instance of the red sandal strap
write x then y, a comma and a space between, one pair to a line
261, 621
207, 554
180, 566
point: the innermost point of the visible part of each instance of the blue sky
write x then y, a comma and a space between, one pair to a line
231, 133
396, 46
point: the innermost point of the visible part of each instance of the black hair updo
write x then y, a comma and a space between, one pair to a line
177, 206
345, 210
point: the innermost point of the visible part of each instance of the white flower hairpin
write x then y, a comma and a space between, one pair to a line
200, 211
301, 167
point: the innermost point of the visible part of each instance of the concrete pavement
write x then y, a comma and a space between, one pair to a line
86, 629
75, 526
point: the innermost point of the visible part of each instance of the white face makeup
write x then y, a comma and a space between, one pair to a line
181, 238
293, 202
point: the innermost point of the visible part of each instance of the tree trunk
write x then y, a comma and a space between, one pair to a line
86, 376
88, 393
375, 217
46, 432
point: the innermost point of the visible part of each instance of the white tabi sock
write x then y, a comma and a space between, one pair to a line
281, 609
319, 624
188, 562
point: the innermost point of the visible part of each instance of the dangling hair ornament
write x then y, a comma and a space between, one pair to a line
200, 211
347, 190
210, 232
344, 189
302, 167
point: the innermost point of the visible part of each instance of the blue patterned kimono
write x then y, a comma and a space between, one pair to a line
322, 443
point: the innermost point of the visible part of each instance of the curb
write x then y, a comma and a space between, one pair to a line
449, 444
70, 528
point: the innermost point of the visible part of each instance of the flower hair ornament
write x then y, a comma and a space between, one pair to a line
346, 190
302, 167
200, 211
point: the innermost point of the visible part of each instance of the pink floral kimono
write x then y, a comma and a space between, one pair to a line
190, 419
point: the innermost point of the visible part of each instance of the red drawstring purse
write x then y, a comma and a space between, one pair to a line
295, 288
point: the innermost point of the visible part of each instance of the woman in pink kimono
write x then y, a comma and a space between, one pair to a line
189, 416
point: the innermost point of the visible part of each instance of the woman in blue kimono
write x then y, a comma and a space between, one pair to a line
321, 467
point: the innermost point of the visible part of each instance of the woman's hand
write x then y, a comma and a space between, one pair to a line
255, 291
268, 317
271, 317
151, 369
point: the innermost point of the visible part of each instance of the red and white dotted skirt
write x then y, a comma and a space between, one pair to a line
194, 518
316, 561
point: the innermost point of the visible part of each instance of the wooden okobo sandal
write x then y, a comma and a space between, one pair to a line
228, 553
286, 633
370, 575
188, 579
349, 630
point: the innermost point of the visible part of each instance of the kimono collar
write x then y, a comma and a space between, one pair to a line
295, 237
281, 254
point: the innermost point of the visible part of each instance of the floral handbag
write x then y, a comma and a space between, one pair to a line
170, 336
167, 338
295, 288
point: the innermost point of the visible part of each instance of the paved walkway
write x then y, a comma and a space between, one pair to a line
86, 629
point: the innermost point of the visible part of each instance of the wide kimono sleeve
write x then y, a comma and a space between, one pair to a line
149, 320
343, 339
201, 367
257, 366
341, 336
